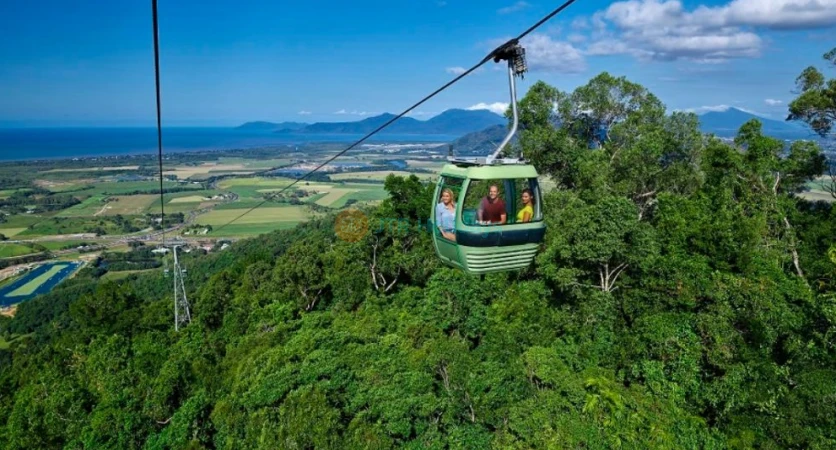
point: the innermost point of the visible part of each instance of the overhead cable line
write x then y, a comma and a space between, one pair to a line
497, 54
159, 115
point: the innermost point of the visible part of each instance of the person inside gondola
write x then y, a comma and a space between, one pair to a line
527, 212
492, 208
445, 213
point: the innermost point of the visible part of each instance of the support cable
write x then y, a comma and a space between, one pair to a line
503, 52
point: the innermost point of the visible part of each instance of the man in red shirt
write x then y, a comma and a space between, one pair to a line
492, 208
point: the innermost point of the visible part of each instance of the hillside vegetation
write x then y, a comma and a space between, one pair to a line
683, 299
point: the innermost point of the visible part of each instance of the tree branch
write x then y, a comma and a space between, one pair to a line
373, 265
601, 277
775, 186
394, 280
795, 261
831, 188
618, 270
445, 377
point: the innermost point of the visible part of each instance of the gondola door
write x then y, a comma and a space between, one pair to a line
446, 248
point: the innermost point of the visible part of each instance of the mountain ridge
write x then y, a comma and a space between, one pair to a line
463, 123
452, 121
726, 123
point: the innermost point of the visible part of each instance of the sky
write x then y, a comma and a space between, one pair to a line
91, 63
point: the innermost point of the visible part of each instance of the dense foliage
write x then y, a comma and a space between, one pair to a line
683, 298
816, 105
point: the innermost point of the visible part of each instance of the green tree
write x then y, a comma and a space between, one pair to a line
816, 103
593, 243
611, 137
816, 107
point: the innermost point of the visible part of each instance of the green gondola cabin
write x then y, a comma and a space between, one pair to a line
480, 248
487, 215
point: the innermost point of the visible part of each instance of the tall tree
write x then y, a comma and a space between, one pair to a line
816, 103
611, 137
816, 106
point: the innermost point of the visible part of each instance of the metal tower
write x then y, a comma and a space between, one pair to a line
182, 316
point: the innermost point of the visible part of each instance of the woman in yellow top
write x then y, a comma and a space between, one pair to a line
527, 211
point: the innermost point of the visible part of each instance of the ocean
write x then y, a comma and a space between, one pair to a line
18, 144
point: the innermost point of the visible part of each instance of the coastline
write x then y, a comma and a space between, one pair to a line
56, 144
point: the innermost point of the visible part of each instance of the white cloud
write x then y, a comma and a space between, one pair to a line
773, 102
576, 38
354, 112
718, 108
304, 113
777, 14
497, 107
666, 30
460, 70
580, 23
543, 53
705, 109
421, 113
519, 6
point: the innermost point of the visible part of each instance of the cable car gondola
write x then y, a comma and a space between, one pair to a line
497, 221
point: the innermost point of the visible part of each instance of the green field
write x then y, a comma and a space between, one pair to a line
103, 198
241, 204
18, 224
260, 215
251, 229
127, 187
334, 195
251, 191
65, 186
11, 232
70, 225
259, 220
61, 245
174, 206
8, 250
367, 195
190, 199
101, 205
254, 187
5, 193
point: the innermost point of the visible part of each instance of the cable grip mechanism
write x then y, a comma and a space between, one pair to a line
514, 53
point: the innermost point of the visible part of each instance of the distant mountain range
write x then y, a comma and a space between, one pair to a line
454, 122
481, 131
721, 123
727, 123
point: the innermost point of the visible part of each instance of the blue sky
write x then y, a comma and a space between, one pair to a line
224, 62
